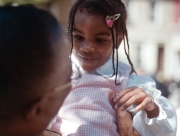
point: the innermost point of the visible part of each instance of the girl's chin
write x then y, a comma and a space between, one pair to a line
88, 69
89, 66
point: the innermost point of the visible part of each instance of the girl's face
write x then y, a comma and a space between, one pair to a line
92, 40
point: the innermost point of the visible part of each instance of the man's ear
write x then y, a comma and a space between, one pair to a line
37, 110
119, 40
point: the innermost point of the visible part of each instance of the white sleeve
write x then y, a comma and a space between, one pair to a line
166, 122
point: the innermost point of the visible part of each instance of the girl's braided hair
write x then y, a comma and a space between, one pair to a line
104, 8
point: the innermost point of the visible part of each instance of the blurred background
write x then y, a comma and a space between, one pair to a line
154, 37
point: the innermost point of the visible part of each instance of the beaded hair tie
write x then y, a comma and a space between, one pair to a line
111, 19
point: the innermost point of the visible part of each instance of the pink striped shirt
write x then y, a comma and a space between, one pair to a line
87, 110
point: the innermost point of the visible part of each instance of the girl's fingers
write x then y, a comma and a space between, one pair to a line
147, 101
131, 98
122, 93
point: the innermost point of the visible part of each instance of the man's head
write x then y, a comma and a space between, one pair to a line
33, 62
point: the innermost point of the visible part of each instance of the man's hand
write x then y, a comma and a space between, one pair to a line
125, 124
124, 120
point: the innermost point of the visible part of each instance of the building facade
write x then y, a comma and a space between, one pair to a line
154, 36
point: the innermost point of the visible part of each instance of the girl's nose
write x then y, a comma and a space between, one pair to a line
88, 47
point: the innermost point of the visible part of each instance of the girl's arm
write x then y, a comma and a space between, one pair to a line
165, 124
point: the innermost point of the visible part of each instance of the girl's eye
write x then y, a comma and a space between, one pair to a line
76, 37
100, 40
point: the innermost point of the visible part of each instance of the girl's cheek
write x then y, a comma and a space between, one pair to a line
75, 45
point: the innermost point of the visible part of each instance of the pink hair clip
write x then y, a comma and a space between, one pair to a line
111, 19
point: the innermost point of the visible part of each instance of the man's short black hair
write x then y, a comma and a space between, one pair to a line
26, 38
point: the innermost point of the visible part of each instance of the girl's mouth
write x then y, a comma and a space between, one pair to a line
87, 58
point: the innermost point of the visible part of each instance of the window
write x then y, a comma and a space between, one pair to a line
139, 56
160, 58
152, 10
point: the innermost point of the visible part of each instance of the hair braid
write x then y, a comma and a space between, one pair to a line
117, 66
70, 27
128, 56
125, 39
115, 46
113, 53
71, 22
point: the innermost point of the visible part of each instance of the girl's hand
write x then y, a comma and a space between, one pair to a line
124, 120
136, 96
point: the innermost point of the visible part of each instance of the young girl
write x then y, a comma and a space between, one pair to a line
96, 29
